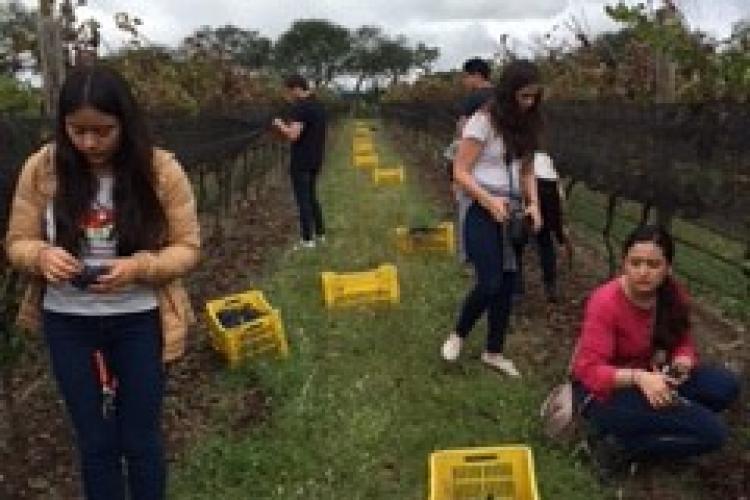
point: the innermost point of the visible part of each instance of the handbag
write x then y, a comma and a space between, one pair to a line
556, 412
560, 414
519, 228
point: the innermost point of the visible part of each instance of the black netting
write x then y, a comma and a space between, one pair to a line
694, 159
196, 140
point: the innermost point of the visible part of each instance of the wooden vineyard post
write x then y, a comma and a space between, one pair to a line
666, 92
607, 232
50, 56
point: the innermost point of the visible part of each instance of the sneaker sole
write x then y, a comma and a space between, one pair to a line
500, 370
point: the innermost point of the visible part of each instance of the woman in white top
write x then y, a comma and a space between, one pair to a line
501, 188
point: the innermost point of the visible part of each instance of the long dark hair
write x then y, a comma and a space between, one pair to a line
672, 311
520, 129
140, 220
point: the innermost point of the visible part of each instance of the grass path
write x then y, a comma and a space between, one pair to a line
364, 397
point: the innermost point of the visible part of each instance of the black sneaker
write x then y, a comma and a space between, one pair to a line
610, 460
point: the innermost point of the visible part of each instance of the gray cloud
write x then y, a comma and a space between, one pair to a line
461, 10
460, 28
457, 41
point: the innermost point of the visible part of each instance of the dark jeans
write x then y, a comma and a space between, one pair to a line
128, 443
493, 291
545, 247
690, 427
310, 214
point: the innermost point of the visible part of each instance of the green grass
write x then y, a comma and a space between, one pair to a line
710, 279
364, 397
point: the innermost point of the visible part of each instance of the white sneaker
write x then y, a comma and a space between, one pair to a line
321, 239
304, 244
452, 347
500, 363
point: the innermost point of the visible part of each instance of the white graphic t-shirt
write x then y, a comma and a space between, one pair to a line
98, 247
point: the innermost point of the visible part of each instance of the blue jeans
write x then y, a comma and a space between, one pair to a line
130, 439
690, 427
494, 287
305, 194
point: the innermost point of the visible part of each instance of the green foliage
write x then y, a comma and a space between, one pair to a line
162, 81
397, 56
365, 58
316, 48
428, 88
424, 56
158, 80
320, 50
374, 54
706, 69
18, 27
17, 97
243, 47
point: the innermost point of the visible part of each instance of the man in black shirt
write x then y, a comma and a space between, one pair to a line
476, 79
306, 130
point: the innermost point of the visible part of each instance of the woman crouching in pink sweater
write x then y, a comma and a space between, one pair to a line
636, 369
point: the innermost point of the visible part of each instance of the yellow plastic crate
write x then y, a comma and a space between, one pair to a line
366, 161
365, 287
388, 176
361, 132
260, 335
440, 238
363, 148
497, 473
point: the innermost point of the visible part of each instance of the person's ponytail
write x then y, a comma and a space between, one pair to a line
672, 316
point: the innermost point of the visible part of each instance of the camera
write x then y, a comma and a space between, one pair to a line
88, 276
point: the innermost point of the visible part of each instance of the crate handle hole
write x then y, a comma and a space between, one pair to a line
480, 458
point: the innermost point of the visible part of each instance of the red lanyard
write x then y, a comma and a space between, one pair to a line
107, 382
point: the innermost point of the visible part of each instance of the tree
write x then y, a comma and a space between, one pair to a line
245, 48
365, 58
18, 38
704, 72
316, 48
397, 57
740, 38
424, 57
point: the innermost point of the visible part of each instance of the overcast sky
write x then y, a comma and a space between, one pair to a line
460, 28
